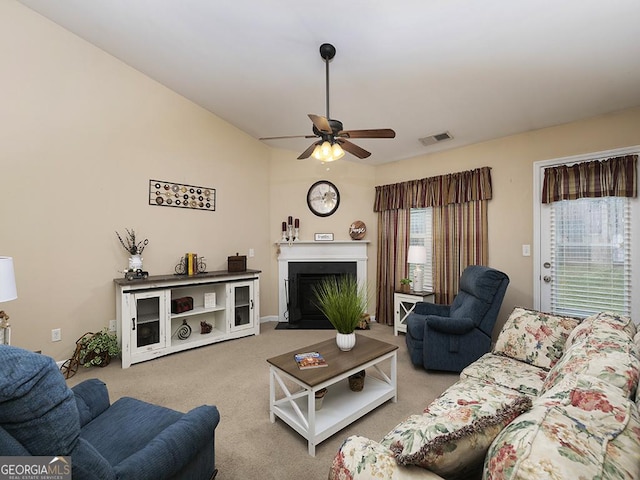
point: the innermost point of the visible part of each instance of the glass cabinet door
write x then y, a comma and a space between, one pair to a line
148, 321
241, 303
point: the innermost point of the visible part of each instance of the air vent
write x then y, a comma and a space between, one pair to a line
433, 139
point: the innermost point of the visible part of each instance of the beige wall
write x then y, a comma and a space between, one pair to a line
81, 134
290, 180
511, 160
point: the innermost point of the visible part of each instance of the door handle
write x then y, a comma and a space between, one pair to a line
547, 279
133, 323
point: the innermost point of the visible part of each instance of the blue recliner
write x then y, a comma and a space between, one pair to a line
450, 337
129, 439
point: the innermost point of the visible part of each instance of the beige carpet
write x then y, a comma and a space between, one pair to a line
234, 376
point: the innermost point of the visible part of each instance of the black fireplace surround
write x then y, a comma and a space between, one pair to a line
303, 313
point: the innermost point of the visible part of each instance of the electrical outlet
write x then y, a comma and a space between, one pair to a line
526, 250
112, 325
56, 335
251, 253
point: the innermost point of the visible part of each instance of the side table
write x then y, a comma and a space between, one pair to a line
403, 305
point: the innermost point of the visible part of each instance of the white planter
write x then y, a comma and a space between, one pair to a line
346, 341
135, 262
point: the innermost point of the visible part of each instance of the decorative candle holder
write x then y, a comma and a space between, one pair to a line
296, 234
290, 234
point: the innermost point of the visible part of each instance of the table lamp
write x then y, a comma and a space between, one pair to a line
417, 255
7, 292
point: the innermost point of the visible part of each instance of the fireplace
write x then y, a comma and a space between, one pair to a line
304, 263
303, 277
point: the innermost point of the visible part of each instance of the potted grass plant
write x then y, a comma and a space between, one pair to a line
343, 302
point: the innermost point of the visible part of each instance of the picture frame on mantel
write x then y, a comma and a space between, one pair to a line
323, 237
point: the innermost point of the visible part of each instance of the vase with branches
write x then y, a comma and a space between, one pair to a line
134, 247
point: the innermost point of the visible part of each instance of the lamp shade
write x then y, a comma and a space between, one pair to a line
7, 280
417, 254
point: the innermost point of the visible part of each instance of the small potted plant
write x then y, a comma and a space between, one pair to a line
343, 302
98, 349
405, 285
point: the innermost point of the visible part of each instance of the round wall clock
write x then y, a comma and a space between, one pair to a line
323, 198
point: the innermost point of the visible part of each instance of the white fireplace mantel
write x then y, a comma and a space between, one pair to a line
306, 251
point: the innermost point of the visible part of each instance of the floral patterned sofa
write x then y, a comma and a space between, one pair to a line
556, 398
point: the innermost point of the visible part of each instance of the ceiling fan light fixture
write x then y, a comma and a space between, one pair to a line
325, 149
337, 151
316, 153
326, 152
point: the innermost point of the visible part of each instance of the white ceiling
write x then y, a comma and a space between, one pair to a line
478, 69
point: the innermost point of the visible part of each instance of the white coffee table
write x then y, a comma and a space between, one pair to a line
341, 406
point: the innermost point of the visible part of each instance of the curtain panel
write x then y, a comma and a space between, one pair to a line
437, 191
461, 240
459, 230
393, 244
613, 177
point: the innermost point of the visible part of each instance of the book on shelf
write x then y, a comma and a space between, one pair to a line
310, 360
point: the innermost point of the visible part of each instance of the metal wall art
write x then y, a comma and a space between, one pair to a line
171, 194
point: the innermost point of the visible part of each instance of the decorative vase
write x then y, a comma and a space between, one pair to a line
346, 341
356, 381
320, 397
135, 262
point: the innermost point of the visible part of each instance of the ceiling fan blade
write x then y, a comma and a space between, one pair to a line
352, 148
373, 133
321, 123
307, 153
287, 136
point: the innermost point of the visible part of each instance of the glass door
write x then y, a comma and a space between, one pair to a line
242, 307
148, 321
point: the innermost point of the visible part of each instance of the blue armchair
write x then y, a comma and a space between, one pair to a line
450, 337
129, 439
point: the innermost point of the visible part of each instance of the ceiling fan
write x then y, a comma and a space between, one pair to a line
333, 140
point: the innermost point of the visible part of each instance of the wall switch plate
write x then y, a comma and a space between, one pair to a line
526, 250
112, 325
251, 252
56, 335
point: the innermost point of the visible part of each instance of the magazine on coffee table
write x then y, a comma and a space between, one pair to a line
310, 360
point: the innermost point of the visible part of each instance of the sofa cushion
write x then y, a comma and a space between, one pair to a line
36, 406
451, 437
508, 373
609, 322
607, 352
534, 337
582, 428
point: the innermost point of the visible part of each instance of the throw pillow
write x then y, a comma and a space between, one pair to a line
534, 337
453, 445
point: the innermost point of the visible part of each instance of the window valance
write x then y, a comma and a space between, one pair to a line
613, 177
437, 191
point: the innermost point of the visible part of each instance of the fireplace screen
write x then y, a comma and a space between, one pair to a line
303, 276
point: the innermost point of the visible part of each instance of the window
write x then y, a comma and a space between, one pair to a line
591, 256
421, 233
